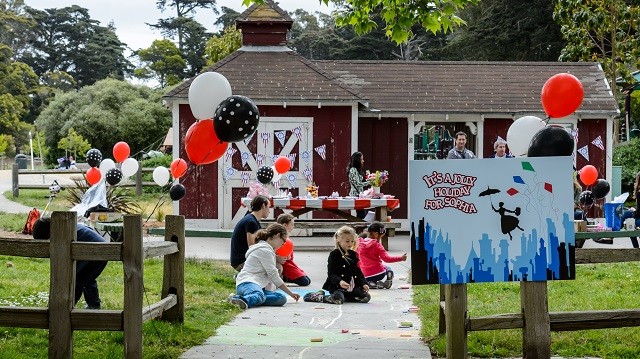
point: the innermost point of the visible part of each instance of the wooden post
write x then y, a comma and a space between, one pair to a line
456, 320
442, 324
62, 284
536, 331
139, 180
133, 286
14, 180
173, 278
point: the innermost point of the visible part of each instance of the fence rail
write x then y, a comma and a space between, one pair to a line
61, 319
16, 186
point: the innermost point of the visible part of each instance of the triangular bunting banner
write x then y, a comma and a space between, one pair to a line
248, 139
501, 140
230, 152
260, 159
598, 142
245, 157
291, 177
574, 134
281, 136
322, 151
305, 156
229, 172
245, 177
584, 151
297, 132
292, 159
308, 173
274, 158
265, 136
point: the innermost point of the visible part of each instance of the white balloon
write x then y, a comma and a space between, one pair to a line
161, 176
521, 132
276, 175
206, 92
106, 165
129, 167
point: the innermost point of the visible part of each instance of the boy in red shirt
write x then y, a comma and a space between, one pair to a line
372, 254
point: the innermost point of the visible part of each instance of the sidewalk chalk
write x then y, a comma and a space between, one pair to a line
316, 340
345, 330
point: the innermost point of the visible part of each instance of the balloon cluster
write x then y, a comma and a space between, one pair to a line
107, 167
266, 174
162, 175
589, 176
222, 118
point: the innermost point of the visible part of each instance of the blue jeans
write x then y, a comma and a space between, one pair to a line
255, 296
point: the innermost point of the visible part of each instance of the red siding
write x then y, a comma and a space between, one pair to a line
589, 130
384, 146
201, 199
493, 128
264, 34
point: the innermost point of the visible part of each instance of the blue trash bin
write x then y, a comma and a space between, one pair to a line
613, 215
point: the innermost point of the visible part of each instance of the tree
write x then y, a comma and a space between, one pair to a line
68, 40
398, 16
227, 18
161, 61
14, 25
105, 113
219, 46
74, 143
606, 31
504, 30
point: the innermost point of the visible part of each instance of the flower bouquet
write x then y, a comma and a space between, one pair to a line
377, 178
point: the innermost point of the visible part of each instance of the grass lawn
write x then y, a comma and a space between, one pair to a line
597, 287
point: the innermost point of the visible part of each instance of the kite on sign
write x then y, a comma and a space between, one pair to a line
322, 151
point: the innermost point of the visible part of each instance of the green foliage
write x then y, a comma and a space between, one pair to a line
627, 155
14, 25
617, 285
4, 143
119, 199
74, 143
399, 16
12, 222
161, 61
218, 47
105, 113
606, 31
635, 108
164, 161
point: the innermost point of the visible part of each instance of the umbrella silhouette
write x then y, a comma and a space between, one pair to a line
488, 192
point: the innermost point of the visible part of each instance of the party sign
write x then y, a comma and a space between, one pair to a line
489, 220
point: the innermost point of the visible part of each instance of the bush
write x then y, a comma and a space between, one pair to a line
628, 156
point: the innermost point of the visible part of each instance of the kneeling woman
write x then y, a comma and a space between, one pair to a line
259, 270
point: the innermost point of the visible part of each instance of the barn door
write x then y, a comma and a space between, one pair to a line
276, 136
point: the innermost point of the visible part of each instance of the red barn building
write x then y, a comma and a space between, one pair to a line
320, 112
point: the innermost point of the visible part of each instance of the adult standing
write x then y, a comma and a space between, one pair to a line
500, 149
636, 195
460, 151
355, 173
244, 233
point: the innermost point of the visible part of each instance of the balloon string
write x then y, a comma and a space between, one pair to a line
158, 204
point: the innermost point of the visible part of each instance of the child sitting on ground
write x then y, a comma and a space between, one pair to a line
291, 273
372, 254
259, 270
345, 281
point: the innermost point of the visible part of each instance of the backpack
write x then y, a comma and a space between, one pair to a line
33, 216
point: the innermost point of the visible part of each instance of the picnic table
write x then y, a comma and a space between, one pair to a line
582, 236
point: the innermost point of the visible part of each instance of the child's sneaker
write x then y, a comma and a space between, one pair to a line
314, 296
334, 298
375, 285
389, 282
364, 299
237, 302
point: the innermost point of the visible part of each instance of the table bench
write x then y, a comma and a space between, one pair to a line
583, 236
334, 224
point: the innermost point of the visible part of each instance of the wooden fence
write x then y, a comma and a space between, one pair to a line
61, 319
535, 320
16, 186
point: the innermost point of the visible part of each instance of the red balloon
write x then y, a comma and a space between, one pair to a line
93, 175
282, 164
202, 144
178, 168
286, 249
588, 175
121, 151
561, 95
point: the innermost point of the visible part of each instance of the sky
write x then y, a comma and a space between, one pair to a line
130, 16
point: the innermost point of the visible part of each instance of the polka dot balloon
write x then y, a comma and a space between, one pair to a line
264, 174
94, 157
113, 176
236, 119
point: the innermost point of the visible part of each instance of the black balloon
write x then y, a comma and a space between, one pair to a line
586, 198
177, 191
264, 174
236, 119
600, 189
94, 157
551, 141
113, 176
